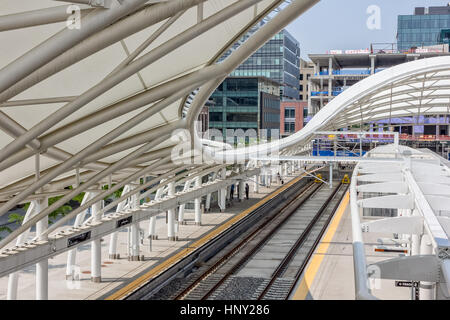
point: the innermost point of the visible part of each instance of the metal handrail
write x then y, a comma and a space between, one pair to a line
362, 291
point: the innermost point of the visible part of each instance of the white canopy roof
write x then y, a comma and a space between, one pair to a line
87, 63
73, 95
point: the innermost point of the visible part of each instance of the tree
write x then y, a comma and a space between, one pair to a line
61, 211
5, 228
116, 194
16, 218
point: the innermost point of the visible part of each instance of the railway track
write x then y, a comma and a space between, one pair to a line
231, 276
189, 292
178, 275
281, 284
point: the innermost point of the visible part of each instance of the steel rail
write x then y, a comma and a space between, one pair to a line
290, 209
298, 243
239, 246
315, 244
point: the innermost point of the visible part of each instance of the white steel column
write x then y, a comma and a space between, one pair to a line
208, 196
427, 289
415, 239
171, 216
134, 231
113, 254
13, 280
72, 254
197, 203
134, 242
42, 266
152, 223
223, 192
96, 246
152, 229
256, 184
241, 184
182, 207
331, 175
268, 177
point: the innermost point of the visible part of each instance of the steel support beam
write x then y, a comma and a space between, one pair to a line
15, 259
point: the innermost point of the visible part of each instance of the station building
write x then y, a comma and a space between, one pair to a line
279, 60
292, 116
306, 72
246, 103
426, 27
338, 70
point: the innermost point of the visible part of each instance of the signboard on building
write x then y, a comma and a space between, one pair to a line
359, 51
407, 284
410, 284
435, 48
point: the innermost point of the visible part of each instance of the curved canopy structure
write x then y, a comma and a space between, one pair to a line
92, 92
88, 94
420, 87
98, 99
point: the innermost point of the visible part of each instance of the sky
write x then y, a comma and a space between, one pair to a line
342, 24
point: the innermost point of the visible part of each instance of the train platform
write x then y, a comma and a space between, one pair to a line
329, 274
120, 273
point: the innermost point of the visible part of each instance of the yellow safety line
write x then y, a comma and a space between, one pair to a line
129, 288
319, 255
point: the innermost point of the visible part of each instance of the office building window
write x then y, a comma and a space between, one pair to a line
242, 117
289, 127
289, 113
215, 116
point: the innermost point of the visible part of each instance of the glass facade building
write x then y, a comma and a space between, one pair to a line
423, 28
279, 60
245, 103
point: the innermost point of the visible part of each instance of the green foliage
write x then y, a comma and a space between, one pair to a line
116, 193
78, 198
26, 206
61, 211
5, 228
16, 218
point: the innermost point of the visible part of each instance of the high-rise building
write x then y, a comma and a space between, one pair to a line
338, 71
279, 60
426, 27
246, 103
292, 116
306, 72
